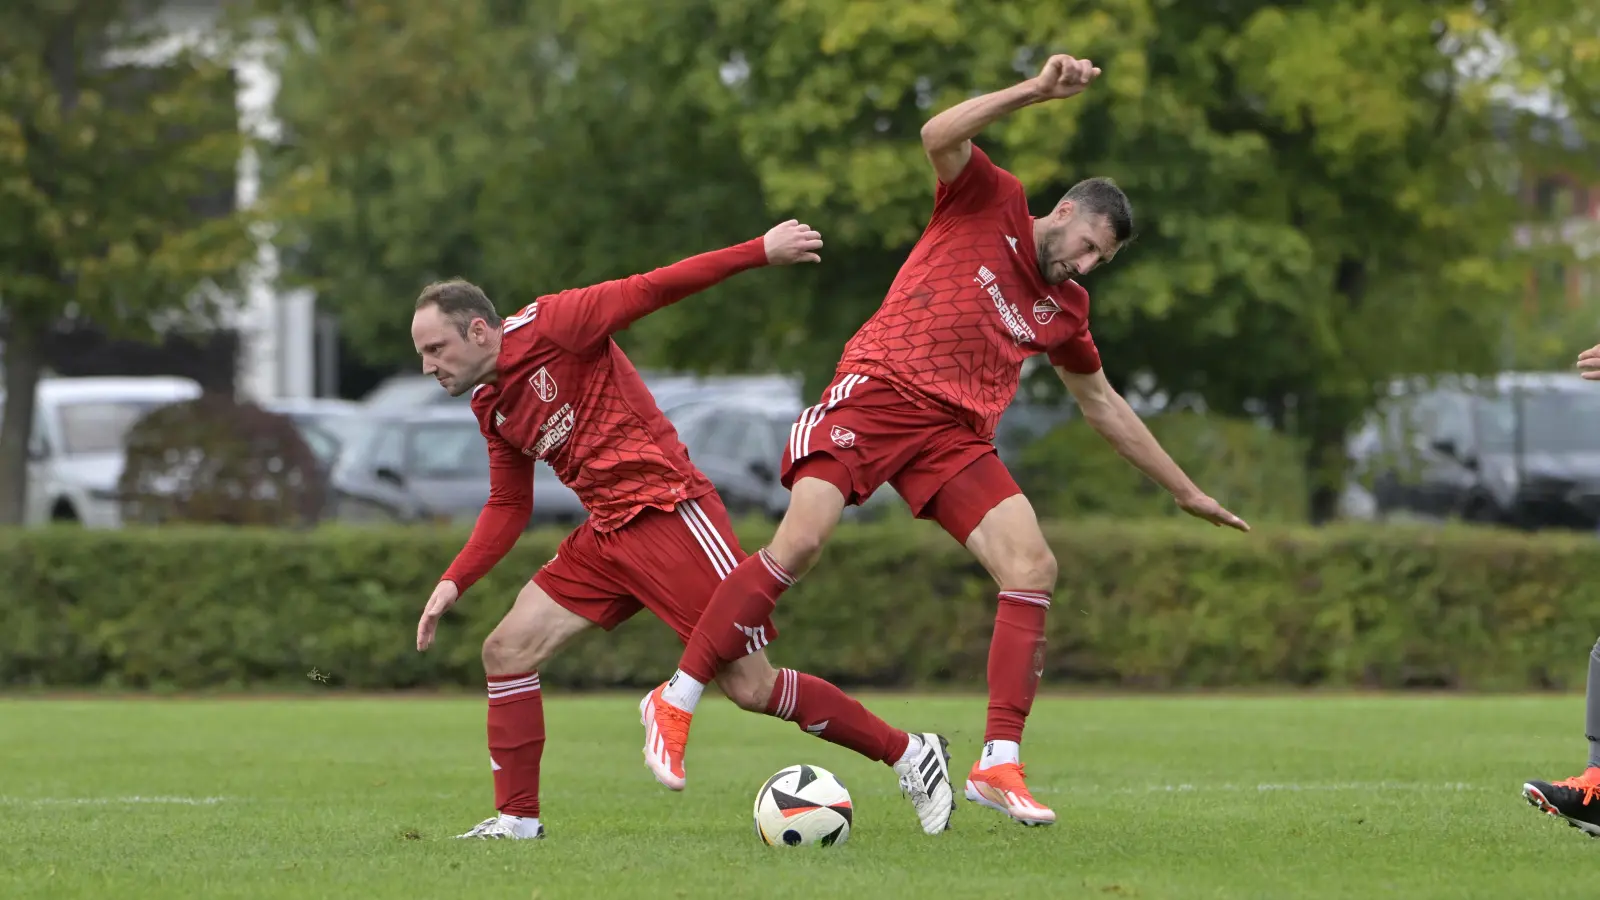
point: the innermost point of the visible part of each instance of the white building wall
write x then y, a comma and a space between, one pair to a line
276, 326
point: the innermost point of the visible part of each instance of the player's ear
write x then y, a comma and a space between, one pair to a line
1063, 210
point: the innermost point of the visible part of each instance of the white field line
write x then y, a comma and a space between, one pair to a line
111, 801
1266, 788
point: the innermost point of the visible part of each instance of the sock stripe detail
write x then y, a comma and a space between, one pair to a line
788, 693
778, 572
1034, 598
706, 535
527, 685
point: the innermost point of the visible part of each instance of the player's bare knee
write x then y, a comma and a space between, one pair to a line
1029, 568
749, 682
814, 509
517, 647
797, 548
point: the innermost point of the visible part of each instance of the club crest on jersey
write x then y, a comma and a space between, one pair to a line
842, 436
543, 384
1045, 309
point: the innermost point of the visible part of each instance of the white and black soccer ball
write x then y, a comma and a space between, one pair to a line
801, 806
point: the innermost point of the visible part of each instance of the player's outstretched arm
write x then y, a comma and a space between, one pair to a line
499, 524
947, 137
1589, 363
582, 317
1115, 420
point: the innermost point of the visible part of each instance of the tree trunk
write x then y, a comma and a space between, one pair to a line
24, 361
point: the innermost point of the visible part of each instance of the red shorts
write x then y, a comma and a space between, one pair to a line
666, 562
940, 467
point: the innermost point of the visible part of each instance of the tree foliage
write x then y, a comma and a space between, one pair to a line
1325, 191
114, 155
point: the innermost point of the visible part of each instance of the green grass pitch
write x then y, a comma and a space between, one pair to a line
1288, 796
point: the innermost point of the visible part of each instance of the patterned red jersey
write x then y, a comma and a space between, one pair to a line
969, 305
565, 393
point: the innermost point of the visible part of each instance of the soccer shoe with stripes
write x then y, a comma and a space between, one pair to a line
666, 733
925, 780
507, 827
1577, 800
1004, 788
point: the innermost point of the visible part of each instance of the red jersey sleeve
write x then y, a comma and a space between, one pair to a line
583, 317
980, 186
503, 518
1077, 354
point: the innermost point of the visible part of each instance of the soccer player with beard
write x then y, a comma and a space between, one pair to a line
918, 393
548, 382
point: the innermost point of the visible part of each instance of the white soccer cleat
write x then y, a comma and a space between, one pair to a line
503, 826
925, 780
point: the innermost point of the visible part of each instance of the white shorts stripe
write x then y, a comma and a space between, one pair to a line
707, 537
800, 432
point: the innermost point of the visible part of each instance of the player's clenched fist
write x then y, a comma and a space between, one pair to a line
1064, 76
444, 597
1589, 363
790, 242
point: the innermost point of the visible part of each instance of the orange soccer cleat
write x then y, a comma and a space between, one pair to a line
666, 732
1003, 787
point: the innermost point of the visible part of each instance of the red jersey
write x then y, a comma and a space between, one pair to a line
565, 393
969, 305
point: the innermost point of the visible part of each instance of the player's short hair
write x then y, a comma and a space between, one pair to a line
1102, 197
460, 302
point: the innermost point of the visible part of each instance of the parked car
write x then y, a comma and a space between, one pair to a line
430, 464
738, 441
327, 424
76, 452
1520, 449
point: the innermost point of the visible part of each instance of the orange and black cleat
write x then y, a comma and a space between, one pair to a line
1577, 800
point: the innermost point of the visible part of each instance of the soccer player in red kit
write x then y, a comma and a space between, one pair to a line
548, 382
914, 405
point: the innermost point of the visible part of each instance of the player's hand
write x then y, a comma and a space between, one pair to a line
1589, 363
790, 242
1203, 507
444, 597
1064, 76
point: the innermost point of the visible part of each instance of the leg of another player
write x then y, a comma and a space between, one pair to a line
1577, 799
1011, 546
529, 634
730, 627
820, 708
750, 592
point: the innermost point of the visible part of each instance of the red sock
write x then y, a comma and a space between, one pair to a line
1016, 660
820, 708
516, 742
747, 596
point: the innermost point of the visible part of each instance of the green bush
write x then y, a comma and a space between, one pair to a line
897, 603
1256, 472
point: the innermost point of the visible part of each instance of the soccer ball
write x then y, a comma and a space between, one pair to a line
803, 805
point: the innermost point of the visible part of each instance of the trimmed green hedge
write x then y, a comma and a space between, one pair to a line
893, 604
